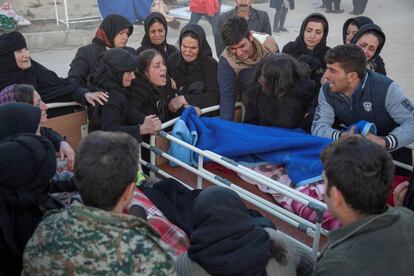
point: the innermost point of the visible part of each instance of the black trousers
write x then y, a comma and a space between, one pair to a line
359, 6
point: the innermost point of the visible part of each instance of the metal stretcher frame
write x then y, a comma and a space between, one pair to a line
314, 230
67, 20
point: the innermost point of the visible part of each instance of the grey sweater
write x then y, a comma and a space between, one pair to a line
375, 245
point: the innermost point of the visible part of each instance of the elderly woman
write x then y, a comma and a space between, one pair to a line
115, 74
281, 94
27, 164
152, 91
155, 37
18, 67
194, 71
310, 46
226, 240
113, 32
371, 39
27, 94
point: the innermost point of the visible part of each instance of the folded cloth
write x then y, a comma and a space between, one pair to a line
251, 145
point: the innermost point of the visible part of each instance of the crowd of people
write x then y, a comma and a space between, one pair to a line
304, 85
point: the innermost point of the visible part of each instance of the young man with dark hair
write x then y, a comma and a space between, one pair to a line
244, 49
96, 237
257, 20
352, 94
374, 239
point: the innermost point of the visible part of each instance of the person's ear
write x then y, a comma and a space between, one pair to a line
352, 77
129, 191
336, 197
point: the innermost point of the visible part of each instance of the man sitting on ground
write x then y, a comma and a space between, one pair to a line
257, 20
352, 93
244, 50
97, 238
374, 239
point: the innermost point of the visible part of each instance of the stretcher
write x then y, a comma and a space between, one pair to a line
311, 236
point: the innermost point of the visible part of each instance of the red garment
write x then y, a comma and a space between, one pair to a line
208, 7
170, 233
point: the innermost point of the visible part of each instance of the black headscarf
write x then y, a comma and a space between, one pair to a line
108, 77
113, 64
46, 82
204, 48
359, 21
165, 49
109, 28
321, 48
225, 239
27, 163
367, 28
18, 118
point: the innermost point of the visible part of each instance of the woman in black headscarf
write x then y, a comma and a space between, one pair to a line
371, 39
310, 46
18, 67
152, 91
194, 71
351, 27
227, 241
155, 37
25, 93
27, 163
113, 32
115, 74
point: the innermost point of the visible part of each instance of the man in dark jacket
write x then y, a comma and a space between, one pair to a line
352, 94
374, 239
257, 20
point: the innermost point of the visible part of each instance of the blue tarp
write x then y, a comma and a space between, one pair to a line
251, 145
133, 10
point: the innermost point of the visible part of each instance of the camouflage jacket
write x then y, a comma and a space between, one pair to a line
82, 240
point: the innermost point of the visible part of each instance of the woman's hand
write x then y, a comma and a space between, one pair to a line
66, 151
100, 97
176, 103
151, 125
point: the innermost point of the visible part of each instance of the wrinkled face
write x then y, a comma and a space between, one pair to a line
127, 78
156, 33
313, 34
369, 44
243, 5
242, 49
23, 59
121, 38
157, 71
37, 101
189, 48
336, 78
350, 32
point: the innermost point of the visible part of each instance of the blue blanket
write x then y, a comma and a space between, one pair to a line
133, 10
251, 145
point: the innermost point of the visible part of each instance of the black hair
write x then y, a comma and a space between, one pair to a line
106, 163
361, 170
281, 74
350, 57
234, 30
24, 93
145, 58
